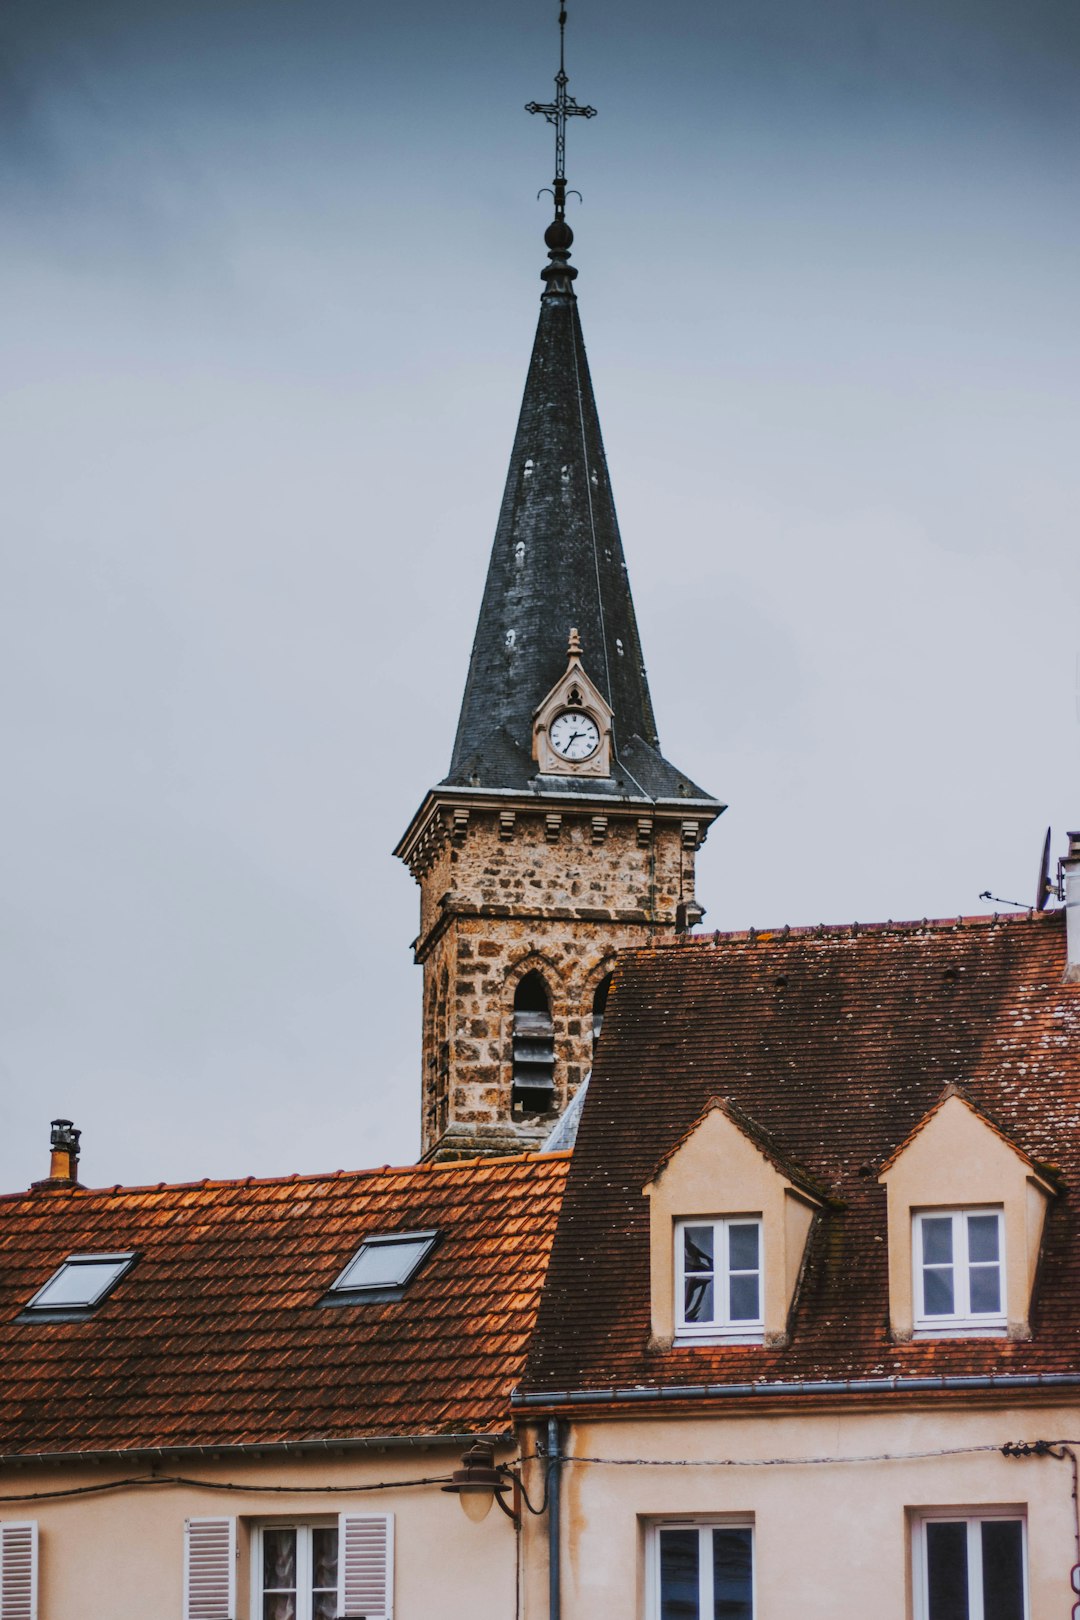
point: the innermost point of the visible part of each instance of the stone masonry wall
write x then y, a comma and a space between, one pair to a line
507, 893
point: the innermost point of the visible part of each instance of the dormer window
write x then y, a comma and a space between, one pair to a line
966, 1209
78, 1288
722, 1198
719, 1280
959, 1271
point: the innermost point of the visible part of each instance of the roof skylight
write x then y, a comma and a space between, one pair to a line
383, 1266
80, 1284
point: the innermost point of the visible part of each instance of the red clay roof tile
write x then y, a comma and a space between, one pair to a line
216, 1335
838, 1042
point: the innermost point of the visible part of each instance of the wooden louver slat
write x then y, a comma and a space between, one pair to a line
18, 1571
366, 1566
209, 1569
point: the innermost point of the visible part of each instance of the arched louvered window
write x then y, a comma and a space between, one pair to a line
533, 1047
599, 1007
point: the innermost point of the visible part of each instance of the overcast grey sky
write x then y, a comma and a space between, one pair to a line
268, 281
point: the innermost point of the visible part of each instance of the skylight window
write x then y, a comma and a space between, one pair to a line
383, 1266
80, 1285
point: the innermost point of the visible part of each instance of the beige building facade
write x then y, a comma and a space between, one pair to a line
112, 1550
835, 1497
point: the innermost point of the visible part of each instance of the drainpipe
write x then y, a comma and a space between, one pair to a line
554, 1480
1070, 867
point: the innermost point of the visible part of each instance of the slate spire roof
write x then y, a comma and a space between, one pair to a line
557, 564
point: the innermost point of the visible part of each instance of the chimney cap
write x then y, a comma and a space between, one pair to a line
63, 1159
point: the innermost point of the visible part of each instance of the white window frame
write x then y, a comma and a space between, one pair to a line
303, 1528
653, 1527
963, 1321
721, 1330
973, 1518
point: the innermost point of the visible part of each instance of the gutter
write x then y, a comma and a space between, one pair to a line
253, 1449
782, 1388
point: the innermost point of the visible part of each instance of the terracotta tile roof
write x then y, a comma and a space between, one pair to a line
216, 1334
837, 1042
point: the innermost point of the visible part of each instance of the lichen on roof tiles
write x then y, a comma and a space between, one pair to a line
837, 1042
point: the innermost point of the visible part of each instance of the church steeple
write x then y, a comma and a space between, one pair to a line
557, 560
560, 834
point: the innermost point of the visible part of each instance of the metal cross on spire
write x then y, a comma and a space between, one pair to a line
557, 112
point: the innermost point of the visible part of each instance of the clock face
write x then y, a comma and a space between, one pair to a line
574, 735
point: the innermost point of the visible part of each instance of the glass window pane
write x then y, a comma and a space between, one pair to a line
699, 1300
279, 1606
947, 1571
324, 1560
384, 1265
985, 1288
697, 1248
679, 1578
743, 1246
733, 1590
937, 1239
79, 1283
744, 1299
982, 1232
279, 1560
1003, 1569
324, 1606
938, 1292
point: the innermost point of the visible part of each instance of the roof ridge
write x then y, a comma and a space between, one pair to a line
853, 930
427, 1166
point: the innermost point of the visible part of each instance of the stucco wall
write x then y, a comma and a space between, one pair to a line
832, 1539
119, 1555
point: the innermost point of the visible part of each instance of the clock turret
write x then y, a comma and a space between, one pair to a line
572, 727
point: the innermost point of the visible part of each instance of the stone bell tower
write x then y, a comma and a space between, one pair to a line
561, 834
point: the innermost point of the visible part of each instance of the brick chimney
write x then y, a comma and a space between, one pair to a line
63, 1158
1071, 869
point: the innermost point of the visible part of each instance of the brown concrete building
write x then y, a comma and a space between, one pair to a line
560, 834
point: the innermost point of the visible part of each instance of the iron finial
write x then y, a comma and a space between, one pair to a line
557, 112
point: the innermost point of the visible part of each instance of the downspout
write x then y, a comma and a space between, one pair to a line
554, 1481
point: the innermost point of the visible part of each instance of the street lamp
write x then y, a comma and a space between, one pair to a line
478, 1483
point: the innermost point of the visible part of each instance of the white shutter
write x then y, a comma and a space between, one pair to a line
18, 1571
209, 1569
366, 1566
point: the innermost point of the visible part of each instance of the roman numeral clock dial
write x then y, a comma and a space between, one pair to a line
574, 735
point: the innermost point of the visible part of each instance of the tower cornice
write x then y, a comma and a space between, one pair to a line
447, 809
